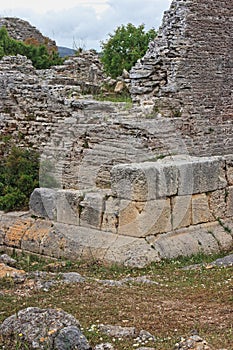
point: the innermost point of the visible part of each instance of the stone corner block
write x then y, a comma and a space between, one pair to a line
43, 203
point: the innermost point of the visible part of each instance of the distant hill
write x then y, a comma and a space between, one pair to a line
65, 51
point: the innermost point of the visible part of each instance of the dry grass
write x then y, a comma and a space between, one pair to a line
180, 301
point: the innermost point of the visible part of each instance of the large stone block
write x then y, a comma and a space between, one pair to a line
200, 209
200, 175
217, 203
92, 209
35, 234
229, 169
68, 206
43, 203
140, 219
181, 211
229, 202
111, 214
185, 242
144, 181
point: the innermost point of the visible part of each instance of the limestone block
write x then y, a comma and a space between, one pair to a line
229, 169
16, 231
200, 175
200, 209
144, 181
229, 198
91, 210
181, 211
68, 206
43, 203
223, 237
217, 203
34, 235
185, 242
139, 219
111, 213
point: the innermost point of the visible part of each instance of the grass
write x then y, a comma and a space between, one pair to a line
115, 97
180, 301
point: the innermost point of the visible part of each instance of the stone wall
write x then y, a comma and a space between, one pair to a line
114, 198
187, 74
21, 30
153, 210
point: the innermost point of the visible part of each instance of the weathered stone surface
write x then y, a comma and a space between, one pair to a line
118, 331
194, 342
181, 207
201, 175
45, 329
104, 346
43, 202
92, 208
70, 338
140, 219
15, 232
68, 206
7, 271
72, 277
224, 262
111, 215
6, 259
187, 88
200, 209
144, 181
24, 31
35, 234
229, 201
188, 241
217, 202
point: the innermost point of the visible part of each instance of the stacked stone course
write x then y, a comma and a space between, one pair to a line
187, 74
115, 199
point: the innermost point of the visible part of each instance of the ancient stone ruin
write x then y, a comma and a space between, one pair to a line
19, 29
134, 184
187, 71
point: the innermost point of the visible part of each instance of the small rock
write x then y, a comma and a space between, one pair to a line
104, 346
7, 271
125, 74
194, 342
144, 335
120, 85
72, 277
118, 331
6, 259
70, 338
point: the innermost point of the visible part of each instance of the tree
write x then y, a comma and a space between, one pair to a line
125, 47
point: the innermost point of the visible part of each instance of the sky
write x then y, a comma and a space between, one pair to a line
84, 23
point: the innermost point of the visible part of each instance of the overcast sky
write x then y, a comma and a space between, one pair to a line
84, 23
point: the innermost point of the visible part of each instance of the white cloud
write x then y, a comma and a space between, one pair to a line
82, 21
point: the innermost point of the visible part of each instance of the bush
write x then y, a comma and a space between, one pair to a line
124, 48
19, 175
38, 54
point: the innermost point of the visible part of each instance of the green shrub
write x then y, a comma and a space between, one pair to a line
39, 55
19, 175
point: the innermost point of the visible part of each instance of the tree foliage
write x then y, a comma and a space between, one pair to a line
38, 54
125, 47
19, 175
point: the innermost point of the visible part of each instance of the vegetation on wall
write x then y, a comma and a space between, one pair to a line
19, 175
38, 54
124, 47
